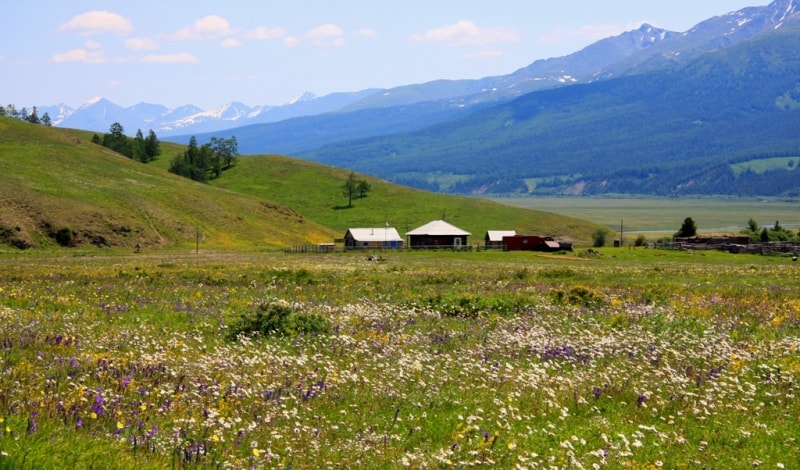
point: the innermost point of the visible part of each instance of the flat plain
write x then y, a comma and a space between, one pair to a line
662, 216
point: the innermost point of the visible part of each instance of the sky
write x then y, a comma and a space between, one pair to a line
265, 52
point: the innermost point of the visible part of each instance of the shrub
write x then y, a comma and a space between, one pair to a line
580, 296
63, 237
599, 237
277, 318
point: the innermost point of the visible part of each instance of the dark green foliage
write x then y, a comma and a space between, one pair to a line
688, 228
640, 240
32, 117
277, 318
137, 148
205, 162
354, 188
599, 237
63, 236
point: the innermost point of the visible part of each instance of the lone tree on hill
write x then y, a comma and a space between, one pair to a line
355, 188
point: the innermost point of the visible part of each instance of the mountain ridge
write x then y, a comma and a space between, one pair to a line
658, 133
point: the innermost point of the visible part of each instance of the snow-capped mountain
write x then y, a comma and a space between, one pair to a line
712, 34
642, 50
98, 114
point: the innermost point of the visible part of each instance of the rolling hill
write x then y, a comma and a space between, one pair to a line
57, 188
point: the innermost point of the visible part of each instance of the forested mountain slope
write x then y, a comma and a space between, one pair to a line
669, 132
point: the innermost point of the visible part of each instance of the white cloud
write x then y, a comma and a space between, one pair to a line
291, 41
329, 35
92, 45
95, 56
209, 27
141, 44
467, 33
183, 58
96, 22
264, 33
367, 32
230, 42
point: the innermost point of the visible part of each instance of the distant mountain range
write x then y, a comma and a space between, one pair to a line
99, 113
649, 111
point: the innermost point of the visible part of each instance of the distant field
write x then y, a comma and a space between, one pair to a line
763, 165
666, 215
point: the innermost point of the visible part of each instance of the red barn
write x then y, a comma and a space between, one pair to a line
530, 243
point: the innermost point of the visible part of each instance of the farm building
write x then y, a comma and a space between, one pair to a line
494, 238
437, 234
532, 243
377, 237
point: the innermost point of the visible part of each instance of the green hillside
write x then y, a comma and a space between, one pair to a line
315, 191
57, 188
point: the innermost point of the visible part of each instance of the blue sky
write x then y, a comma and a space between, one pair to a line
207, 53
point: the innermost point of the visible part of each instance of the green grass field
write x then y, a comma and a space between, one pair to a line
630, 358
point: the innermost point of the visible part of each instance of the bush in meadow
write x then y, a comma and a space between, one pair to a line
277, 318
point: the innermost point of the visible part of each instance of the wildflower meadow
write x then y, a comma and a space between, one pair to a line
421, 360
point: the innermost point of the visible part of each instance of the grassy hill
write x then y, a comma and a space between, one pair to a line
315, 191
57, 188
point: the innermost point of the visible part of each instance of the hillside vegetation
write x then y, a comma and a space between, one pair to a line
59, 189
316, 192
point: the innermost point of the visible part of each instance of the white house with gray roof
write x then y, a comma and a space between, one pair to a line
372, 237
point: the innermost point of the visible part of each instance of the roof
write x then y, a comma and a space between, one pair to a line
438, 227
497, 235
376, 234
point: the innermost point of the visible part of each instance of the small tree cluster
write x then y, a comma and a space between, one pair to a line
205, 162
688, 229
140, 148
763, 234
355, 188
23, 115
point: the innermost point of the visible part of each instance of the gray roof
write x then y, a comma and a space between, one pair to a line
497, 235
376, 234
438, 227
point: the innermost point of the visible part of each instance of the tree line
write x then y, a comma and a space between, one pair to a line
139, 148
22, 114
